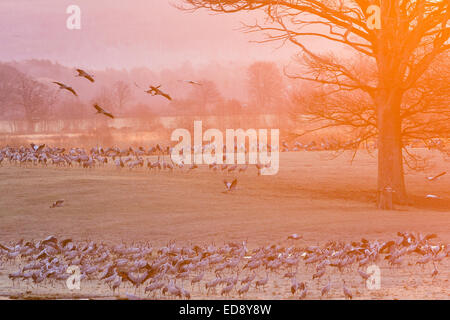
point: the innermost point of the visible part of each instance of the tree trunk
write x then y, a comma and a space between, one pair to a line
391, 183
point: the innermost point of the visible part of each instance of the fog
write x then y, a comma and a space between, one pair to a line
126, 34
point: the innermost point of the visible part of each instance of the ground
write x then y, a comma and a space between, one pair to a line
315, 195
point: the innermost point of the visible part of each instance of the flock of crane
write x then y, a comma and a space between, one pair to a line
155, 158
230, 270
121, 158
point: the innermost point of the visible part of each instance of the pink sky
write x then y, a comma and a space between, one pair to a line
126, 33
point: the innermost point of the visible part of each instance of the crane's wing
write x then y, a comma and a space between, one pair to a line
73, 91
90, 78
42, 146
108, 115
98, 108
59, 84
65, 241
440, 175
233, 184
227, 184
4, 248
165, 95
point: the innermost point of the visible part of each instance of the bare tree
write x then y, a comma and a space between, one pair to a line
122, 95
9, 77
425, 112
265, 84
352, 114
104, 98
35, 98
205, 95
411, 35
70, 108
114, 98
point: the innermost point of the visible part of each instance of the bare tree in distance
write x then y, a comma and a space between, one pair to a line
122, 95
9, 79
35, 98
115, 98
266, 87
104, 98
70, 108
411, 36
205, 96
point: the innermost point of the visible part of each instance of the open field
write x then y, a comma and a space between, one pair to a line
314, 196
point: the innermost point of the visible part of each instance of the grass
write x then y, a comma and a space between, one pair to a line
311, 194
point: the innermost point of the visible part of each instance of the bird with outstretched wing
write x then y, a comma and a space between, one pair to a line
37, 148
102, 111
62, 86
230, 185
191, 82
156, 91
433, 178
84, 74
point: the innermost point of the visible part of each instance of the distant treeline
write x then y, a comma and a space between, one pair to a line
27, 91
143, 124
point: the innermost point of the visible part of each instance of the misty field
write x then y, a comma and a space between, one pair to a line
314, 195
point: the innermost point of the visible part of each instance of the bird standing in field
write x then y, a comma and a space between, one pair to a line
244, 289
347, 292
102, 111
84, 74
303, 294
116, 284
227, 290
364, 275
62, 86
435, 272
326, 289
294, 285
318, 274
262, 282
